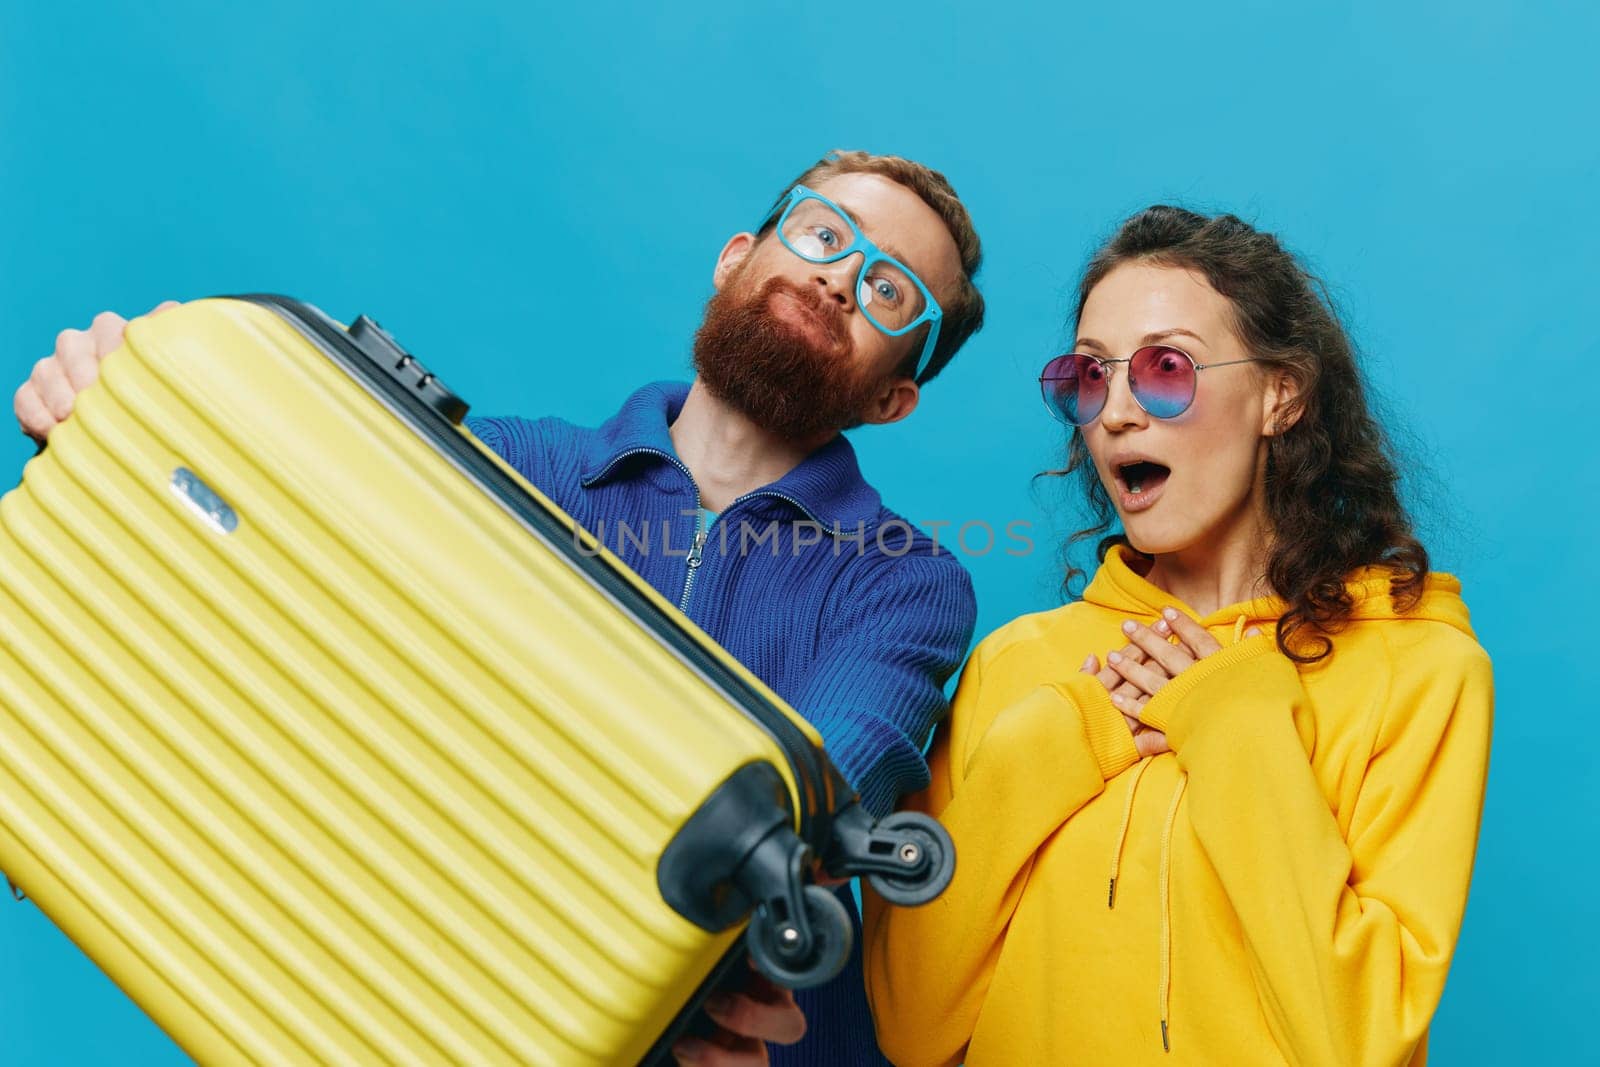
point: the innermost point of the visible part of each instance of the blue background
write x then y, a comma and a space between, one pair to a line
531, 198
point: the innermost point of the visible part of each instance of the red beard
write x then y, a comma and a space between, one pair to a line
794, 380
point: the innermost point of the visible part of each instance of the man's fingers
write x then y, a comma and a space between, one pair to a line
34, 418
724, 1050
1191, 633
50, 383
107, 333
76, 362
773, 1016
761, 987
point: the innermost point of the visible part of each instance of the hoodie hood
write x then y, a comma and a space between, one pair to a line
1119, 589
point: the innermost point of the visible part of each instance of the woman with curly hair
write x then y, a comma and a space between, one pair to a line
1223, 807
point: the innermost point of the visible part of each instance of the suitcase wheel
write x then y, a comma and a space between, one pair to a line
907, 857
805, 953
925, 846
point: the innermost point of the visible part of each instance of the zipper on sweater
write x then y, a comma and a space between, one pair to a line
697, 548
696, 557
701, 533
801, 508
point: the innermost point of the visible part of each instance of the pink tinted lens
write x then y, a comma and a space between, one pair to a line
1074, 388
1162, 380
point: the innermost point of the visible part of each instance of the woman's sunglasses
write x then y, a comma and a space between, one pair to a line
1161, 378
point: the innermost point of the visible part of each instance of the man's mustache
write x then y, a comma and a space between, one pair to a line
828, 312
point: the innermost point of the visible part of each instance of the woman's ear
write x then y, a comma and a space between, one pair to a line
1280, 404
733, 253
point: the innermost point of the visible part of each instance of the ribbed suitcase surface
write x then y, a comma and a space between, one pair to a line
338, 763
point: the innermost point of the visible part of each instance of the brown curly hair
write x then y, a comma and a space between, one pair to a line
1332, 486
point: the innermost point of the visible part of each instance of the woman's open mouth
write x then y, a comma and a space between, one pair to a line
1140, 483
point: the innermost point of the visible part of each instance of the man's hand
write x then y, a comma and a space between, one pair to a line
46, 398
760, 1012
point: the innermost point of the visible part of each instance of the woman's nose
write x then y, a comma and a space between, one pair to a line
1122, 411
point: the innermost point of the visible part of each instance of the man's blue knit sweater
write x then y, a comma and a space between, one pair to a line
839, 605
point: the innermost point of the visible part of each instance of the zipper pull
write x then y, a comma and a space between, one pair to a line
697, 548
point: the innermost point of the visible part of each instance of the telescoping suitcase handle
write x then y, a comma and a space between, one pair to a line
376, 343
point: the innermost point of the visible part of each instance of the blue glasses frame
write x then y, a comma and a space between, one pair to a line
870, 254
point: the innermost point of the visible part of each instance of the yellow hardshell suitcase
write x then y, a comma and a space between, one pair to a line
331, 740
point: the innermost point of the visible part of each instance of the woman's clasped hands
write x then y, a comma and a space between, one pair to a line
1155, 654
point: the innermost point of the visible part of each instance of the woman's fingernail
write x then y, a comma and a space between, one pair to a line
1114, 657
1129, 626
690, 1048
1117, 699
718, 1003
1169, 614
1088, 663
1161, 626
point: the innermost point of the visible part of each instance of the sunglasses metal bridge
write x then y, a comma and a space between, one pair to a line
1134, 388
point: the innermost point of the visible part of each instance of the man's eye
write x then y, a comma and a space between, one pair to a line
828, 238
886, 290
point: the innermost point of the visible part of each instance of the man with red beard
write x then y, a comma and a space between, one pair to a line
738, 499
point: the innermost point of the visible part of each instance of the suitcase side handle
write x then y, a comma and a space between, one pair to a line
377, 345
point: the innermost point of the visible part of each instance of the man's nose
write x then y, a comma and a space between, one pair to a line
837, 280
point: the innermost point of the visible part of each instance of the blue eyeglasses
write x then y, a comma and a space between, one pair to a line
888, 292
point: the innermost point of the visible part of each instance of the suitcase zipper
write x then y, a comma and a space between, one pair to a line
822, 789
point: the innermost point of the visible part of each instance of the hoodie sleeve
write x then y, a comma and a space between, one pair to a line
1001, 796
1349, 934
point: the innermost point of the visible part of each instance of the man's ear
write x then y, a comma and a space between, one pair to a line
1280, 404
897, 399
733, 253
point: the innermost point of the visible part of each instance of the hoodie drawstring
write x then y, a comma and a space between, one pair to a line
1166, 867
1166, 884
1166, 912
1122, 834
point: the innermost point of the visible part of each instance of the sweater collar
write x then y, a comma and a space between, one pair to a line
827, 485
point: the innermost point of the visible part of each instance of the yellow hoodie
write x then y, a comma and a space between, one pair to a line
1286, 885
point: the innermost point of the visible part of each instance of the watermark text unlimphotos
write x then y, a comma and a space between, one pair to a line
744, 537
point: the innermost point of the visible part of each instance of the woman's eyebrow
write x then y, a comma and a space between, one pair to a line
1148, 339
1176, 331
